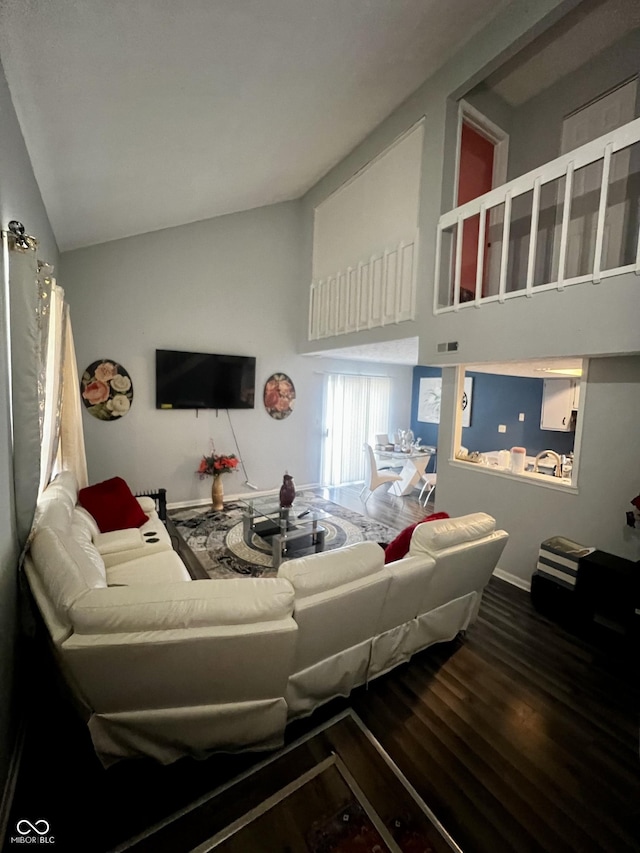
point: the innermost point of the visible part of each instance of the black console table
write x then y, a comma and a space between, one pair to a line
607, 592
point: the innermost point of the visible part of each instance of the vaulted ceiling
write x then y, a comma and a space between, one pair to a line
145, 114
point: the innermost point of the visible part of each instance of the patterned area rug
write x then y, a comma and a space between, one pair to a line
217, 540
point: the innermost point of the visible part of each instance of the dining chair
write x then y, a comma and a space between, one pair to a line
429, 483
373, 476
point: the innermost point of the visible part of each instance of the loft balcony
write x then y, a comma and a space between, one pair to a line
573, 220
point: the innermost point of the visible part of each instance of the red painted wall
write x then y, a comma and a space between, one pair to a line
474, 179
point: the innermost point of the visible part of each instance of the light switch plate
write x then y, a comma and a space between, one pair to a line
521, 416
502, 428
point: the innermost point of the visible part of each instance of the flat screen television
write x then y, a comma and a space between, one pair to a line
198, 380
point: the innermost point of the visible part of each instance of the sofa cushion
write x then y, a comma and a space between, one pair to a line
64, 569
84, 518
399, 547
63, 487
453, 531
54, 514
112, 504
199, 604
81, 535
119, 540
161, 567
320, 572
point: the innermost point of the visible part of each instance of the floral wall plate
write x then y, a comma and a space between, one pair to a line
279, 396
106, 390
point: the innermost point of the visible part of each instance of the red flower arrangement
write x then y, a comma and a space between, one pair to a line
216, 463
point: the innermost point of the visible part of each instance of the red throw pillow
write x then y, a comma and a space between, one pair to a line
399, 548
113, 505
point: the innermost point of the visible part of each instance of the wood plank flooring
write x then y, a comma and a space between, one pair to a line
521, 737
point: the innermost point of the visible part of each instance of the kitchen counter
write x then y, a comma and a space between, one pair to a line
546, 466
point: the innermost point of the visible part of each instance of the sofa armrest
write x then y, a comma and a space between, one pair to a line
198, 604
159, 500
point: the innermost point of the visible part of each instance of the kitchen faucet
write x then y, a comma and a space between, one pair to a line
558, 469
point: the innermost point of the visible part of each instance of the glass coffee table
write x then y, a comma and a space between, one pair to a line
290, 531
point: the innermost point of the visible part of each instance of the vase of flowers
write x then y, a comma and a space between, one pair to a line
215, 465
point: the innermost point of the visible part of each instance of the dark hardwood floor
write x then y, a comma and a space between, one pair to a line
523, 736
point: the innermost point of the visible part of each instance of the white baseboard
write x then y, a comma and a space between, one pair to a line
235, 497
521, 583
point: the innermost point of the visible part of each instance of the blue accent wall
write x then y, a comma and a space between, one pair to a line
496, 400
427, 432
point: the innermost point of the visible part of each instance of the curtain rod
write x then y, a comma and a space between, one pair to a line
17, 231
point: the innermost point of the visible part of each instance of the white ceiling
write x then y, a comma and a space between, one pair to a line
577, 38
405, 351
145, 114
536, 369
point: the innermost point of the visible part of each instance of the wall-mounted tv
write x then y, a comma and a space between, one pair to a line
197, 380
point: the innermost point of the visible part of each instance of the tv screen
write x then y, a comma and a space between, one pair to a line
197, 380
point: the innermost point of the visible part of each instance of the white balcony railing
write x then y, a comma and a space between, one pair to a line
376, 292
573, 220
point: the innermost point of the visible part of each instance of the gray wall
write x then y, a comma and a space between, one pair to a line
582, 320
435, 99
226, 285
607, 479
19, 199
492, 106
536, 128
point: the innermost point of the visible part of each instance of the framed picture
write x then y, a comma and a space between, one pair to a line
429, 400
429, 397
106, 390
466, 401
279, 396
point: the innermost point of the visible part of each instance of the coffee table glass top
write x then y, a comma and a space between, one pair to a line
268, 506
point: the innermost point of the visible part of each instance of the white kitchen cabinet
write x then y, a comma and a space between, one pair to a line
559, 399
576, 393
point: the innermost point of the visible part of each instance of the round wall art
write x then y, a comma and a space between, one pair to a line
106, 390
279, 396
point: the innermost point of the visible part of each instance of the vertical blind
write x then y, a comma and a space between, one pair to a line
356, 408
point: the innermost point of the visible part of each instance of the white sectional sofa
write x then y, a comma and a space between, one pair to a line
164, 665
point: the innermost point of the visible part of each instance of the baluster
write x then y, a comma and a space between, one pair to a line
533, 237
602, 212
564, 234
481, 247
504, 258
358, 294
399, 281
310, 329
436, 281
458, 272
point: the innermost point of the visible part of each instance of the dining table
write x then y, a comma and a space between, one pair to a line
412, 463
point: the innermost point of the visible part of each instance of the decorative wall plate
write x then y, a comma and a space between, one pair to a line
279, 396
106, 389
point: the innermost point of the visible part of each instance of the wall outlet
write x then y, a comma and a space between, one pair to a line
521, 416
502, 428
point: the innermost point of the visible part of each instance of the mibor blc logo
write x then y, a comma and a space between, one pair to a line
33, 832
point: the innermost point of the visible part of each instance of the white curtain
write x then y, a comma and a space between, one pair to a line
356, 408
24, 348
53, 384
71, 450
43, 377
